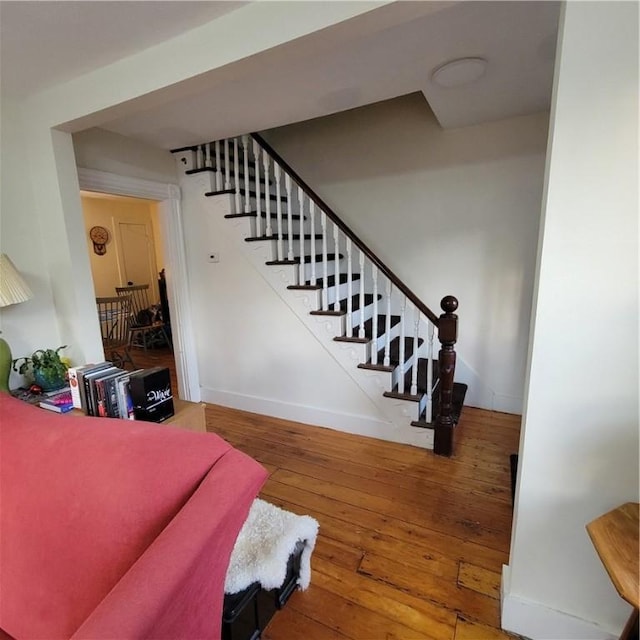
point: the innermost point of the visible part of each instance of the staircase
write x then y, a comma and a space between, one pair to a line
366, 306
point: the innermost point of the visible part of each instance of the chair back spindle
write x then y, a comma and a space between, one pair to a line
114, 315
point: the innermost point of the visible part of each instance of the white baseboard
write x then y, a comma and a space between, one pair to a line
507, 404
349, 423
538, 622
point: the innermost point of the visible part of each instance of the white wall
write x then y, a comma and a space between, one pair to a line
107, 269
450, 212
254, 353
579, 447
32, 324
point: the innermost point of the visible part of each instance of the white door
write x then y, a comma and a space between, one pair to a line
137, 256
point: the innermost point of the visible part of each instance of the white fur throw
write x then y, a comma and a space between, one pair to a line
264, 544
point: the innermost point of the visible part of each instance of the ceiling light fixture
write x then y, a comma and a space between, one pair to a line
459, 72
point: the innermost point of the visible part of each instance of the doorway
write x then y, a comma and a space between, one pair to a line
125, 245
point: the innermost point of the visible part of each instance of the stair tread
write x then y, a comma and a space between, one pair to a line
252, 177
285, 236
355, 305
331, 282
252, 194
272, 196
307, 259
254, 214
221, 192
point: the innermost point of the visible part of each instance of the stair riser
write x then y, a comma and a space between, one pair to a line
381, 340
341, 291
296, 244
332, 267
335, 293
259, 228
405, 411
356, 315
214, 186
400, 371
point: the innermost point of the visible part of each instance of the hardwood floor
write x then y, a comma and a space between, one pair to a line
411, 545
157, 357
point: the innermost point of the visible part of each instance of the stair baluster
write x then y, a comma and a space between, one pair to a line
387, 328
256, 162
361, 330
200, 157
416, 340
267, 199
245, 148
207, 154
429, 407
218, 167
236, 176
287, 184
276, 177
301, 277
350, 291
401, 348
227, 173
312, 225
374, 320
325, 261
336, 249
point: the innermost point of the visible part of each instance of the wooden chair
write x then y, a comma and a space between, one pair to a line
115, 316
143, 329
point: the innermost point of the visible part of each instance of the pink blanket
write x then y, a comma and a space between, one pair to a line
115, 529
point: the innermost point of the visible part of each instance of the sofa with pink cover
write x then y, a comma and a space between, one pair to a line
115, 529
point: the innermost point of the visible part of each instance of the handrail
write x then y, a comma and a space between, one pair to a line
347, 231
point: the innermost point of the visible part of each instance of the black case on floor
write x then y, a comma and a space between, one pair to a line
245, 615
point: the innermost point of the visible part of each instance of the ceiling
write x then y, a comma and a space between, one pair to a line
45, 43
381, 54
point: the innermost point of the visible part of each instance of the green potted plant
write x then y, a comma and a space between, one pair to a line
48, 369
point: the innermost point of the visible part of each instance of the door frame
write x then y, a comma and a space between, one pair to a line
168, 197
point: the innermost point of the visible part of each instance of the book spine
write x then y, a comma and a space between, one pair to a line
100, 396
111, 397
58, 408
124, 399
75, 388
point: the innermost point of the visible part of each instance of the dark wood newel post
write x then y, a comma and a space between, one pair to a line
447, 334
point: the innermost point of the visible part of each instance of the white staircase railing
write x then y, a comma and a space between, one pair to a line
378, 309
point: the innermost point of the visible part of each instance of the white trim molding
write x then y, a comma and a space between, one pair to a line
339, 421
113, 183
168, 196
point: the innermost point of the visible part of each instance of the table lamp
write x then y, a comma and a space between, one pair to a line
13, 289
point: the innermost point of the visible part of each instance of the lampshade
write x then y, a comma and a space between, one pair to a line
13, 288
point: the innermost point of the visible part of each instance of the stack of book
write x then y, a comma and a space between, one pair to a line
102, 390
60, 401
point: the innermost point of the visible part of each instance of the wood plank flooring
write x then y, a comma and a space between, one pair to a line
411, 545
